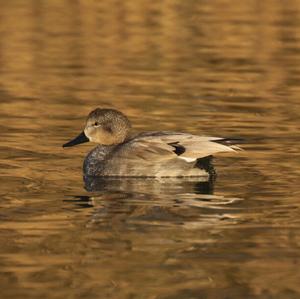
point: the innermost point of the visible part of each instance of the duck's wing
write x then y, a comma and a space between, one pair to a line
155, 146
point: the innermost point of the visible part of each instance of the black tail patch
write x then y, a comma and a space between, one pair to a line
206, 164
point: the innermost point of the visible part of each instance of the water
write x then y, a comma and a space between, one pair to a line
225, 68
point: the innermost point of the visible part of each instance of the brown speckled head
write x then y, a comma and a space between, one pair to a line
107, 126
103, 126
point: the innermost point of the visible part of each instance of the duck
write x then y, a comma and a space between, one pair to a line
147, 154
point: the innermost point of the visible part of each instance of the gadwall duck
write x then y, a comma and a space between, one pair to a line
148, 154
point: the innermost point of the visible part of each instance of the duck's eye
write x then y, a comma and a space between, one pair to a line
96, 124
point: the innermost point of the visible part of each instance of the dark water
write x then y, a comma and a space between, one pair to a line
225, 68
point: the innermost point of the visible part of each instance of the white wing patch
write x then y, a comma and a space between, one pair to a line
187, 159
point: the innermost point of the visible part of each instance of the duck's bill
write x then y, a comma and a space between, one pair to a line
81, 138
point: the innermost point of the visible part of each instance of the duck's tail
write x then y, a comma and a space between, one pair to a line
231, 142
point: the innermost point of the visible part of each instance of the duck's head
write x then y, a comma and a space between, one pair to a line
103, 126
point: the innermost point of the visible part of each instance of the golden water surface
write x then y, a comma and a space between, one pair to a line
218, 67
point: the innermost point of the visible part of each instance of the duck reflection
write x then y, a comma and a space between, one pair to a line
121, 202
150, 186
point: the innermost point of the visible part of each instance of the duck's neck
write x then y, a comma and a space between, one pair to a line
101, 151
